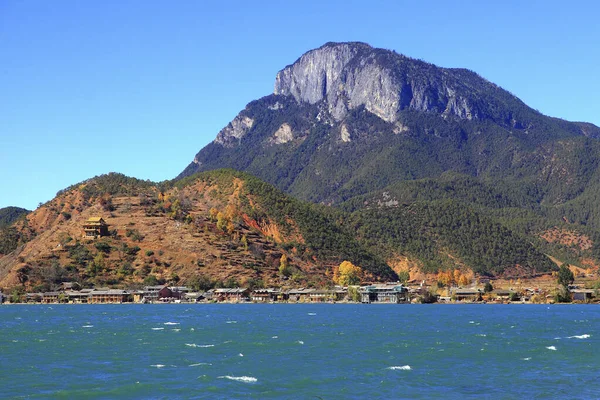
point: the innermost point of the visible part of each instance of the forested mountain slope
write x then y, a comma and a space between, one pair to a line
360, 128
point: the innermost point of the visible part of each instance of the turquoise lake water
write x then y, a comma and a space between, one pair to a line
291, 351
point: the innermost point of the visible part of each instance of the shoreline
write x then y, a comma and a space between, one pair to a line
461, 303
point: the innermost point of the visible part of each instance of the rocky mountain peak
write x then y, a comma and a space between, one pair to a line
350, 75
341, 77
349, 103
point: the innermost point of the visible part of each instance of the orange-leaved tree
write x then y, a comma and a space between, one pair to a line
347, 274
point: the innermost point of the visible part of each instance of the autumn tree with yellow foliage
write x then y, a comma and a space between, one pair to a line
347, 274
284, 266
213, 212
455, 277
227, 221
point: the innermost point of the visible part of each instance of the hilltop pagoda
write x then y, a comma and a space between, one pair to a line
94, 227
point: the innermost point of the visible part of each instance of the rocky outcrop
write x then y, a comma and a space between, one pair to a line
345, 134
350, 75
283, 135
232, 133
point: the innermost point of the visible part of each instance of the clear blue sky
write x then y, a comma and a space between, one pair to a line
138, 87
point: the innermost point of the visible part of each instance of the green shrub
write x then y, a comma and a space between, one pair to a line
103, 247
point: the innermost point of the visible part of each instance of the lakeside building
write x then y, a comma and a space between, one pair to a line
266, 295
310, 295
163, 293
505, 295
109, 296
232, 295
149, 293
79, 296
462, 294
173, 293
384, 293
194, 297
300, 295
166, 294
84, 296
327, 295
50, 297
138, 296
583, 294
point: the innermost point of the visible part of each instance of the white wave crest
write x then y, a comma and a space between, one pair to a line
87, 326
232, 322
585, 336
158, 365
312, 313
199, 345
551, 348
198, 364
526, 358
402, 368
246, 379
171, 323
157, 329
300, 342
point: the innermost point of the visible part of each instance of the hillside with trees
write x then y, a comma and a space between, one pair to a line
8, 215
221, 228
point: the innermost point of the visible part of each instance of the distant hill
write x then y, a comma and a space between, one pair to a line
8, 215
9, 237
217, 228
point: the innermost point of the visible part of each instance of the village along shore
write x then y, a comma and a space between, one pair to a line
379, 293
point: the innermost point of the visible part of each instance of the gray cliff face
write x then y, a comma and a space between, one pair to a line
341, 77
349, 75
232, 133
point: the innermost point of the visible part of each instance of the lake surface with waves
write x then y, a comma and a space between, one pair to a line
328, 351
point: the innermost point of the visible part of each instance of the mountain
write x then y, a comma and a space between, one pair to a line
347, 119
8, 215
217, 228
360, 128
